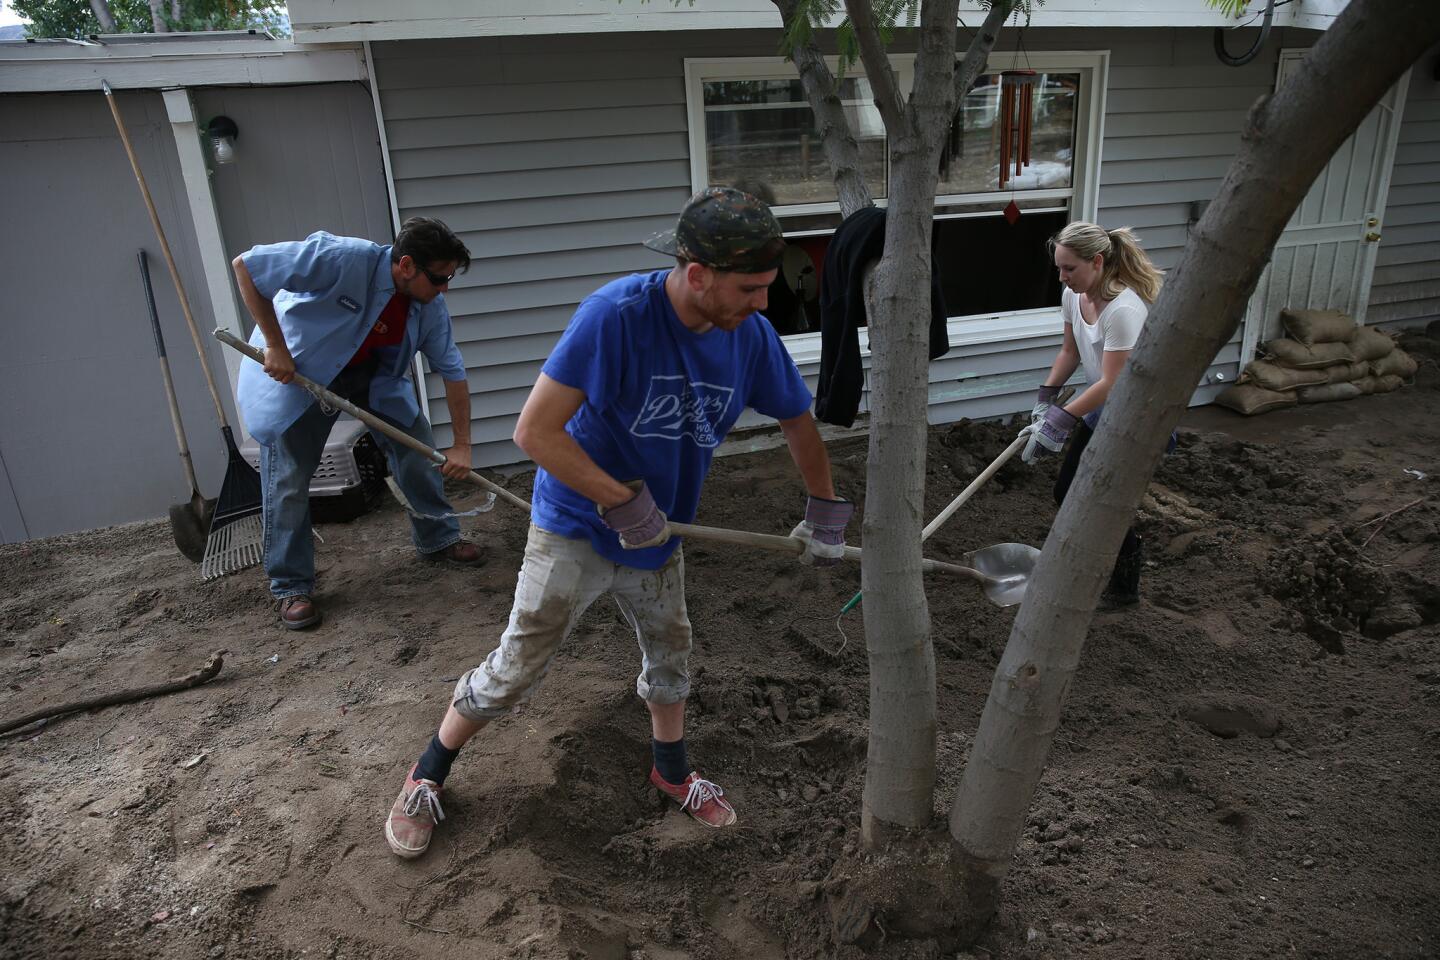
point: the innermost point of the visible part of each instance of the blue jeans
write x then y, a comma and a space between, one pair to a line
286, 467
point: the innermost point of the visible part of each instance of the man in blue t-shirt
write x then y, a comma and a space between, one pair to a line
352, 314
651, 374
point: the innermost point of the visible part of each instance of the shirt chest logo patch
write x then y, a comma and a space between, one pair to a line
349, 304
676, 407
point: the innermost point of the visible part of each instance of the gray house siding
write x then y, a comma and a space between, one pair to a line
555, 156
307, 158
1406, 288
85, 436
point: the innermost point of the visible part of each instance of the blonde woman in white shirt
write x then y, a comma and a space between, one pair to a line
1109, 284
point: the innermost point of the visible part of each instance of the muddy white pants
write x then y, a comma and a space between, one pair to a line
558, 581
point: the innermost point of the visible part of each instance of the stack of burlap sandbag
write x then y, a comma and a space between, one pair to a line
1326, 357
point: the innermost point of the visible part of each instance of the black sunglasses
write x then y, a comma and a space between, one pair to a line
437, 279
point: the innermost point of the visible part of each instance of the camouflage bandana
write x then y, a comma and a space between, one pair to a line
724, 229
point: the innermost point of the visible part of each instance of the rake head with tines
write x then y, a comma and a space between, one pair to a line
237, 537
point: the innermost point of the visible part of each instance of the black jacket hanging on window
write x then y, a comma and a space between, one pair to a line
858, 240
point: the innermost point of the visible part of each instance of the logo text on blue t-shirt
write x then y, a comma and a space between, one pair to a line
675, 407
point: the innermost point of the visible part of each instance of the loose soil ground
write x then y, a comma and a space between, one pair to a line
1249, 763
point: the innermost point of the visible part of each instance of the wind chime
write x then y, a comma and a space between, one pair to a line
1017, 113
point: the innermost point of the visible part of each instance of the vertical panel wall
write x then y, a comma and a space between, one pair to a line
85, 434
1406, 289
555, 156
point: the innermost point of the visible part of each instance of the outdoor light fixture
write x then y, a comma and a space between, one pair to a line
222, 133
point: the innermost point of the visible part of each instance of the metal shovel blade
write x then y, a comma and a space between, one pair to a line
1007, 568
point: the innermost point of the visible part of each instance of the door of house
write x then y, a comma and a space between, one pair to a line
1325, 258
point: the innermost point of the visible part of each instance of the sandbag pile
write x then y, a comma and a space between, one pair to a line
1326, 357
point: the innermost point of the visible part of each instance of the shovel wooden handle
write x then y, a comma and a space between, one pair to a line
791, 545
369, 419
794, 546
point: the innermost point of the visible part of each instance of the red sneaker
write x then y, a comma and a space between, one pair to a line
703, 800
413, 816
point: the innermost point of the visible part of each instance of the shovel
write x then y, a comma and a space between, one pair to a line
1003, 559
1003, 571
189, 522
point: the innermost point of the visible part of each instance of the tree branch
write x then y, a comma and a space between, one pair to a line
192, 679
101, 9
980, 46
877, 64
837, 140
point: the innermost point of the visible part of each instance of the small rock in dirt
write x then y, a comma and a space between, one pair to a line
160, 916
1229, 715
1391, 619
1054, 831
778, 707
1307, 863
850, 917
810, 793
217, 951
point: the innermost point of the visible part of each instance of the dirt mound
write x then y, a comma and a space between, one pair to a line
1153, 834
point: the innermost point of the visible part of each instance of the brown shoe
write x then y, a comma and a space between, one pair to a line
298, 612
413, 816
461, 552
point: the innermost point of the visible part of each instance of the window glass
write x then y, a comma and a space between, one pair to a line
1022, 117
761, 135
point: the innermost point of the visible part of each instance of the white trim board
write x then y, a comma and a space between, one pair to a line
354, 20
208, 237
43, 68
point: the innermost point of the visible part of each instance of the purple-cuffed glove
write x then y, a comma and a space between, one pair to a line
823, 531
1047, 435
1044, 397
638, 520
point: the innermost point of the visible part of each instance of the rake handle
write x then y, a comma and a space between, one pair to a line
165, 248
369, 419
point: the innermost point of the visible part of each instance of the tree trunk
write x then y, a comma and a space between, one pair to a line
157, 16
101, 9
1288, 139
900, 760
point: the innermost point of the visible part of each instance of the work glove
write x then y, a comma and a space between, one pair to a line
638, 520
1044, 398
1047, 435
823, 531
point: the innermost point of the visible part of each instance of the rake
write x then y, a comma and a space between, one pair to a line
236, 538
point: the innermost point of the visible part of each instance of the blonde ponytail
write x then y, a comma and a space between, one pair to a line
1125, 264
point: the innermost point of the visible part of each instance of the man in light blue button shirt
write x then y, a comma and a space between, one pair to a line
351, 314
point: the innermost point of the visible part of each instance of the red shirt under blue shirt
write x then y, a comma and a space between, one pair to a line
388, 331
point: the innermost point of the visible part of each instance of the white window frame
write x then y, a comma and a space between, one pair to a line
1084, 193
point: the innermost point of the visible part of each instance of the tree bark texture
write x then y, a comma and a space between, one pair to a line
101, 9
157, 16
1288, 138
837, 140
900, 765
